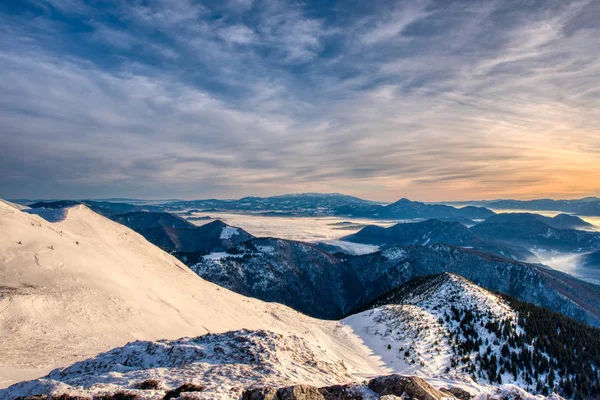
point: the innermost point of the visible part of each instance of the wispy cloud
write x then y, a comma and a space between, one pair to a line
428, 100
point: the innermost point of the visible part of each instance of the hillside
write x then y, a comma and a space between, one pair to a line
444, 324
299, 275
174, 234
85, 284
560, 221
433, 231
589, 206
105, 208
292, 273
408, 209
533, 233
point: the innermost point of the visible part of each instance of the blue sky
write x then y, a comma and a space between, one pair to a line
428, 100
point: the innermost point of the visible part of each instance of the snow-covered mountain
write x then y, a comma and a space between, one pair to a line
73, 288
85, 284
445, 326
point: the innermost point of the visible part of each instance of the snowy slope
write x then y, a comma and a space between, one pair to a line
418, 330
74, 288
445, 327
223, 364
84, 285
14, 205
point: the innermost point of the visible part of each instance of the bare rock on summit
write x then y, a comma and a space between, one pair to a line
299, 392
260, 394
399, 385
341, 392
459, 393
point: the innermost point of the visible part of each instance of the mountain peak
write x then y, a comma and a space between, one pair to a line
441, 289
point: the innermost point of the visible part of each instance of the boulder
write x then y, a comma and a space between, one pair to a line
260, 394
299, 392
341, 392
459, 393
399, 385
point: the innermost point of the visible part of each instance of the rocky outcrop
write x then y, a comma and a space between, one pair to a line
384, 388
299, 392
296, 392
459, 393
260, 394
342, 392
410, 386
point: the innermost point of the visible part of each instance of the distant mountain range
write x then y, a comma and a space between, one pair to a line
433, 231
306, 204
587, 206
560, 221
529, 233
321, 204
507, 235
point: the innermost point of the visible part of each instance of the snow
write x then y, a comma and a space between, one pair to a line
228, 232
49, 214
220, 255
222, 363
266, 249
86, 284
14, 205
509, 392
395, 254
413, 338
353, 248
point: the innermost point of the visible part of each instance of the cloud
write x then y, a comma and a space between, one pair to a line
237, 34
172, 99
389, 27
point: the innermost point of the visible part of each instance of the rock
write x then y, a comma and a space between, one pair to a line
459, 393
299, 392
186, 387
341, 392
399, 385
260, 394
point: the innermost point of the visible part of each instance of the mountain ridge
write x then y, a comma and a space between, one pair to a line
491, 338
273, 272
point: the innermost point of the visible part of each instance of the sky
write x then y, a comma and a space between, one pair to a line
430, 100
